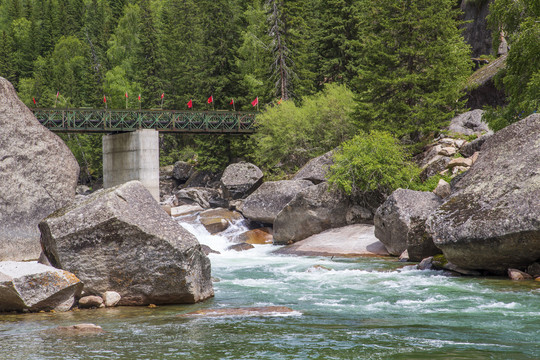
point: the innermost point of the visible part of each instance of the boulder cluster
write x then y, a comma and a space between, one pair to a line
452, 154
488, 220
112, 247
279, 212
119, 247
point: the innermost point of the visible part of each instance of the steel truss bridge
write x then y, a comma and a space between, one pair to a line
171, 121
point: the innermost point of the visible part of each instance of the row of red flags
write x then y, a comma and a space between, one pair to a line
189, 104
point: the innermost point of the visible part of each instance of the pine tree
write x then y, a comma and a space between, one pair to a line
182, 51
220, 34
414, 65
254, 57
301, 23
339, 41
282, 65
7, 69
147, 58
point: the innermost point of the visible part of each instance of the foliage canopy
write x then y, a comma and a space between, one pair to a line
414, 66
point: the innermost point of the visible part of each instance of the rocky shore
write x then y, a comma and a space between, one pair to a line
120, 247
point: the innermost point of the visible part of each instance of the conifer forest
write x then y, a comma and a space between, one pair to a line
323, 71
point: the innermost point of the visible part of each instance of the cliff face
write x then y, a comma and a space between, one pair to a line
38, 174
476, 31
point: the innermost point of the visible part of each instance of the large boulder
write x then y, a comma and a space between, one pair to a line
348, 241
492, 219
313, 210
270, 198
203, 178
400, 223
119, 239
38, 174
469, 149
240, 179
182, 171
217, 220
469, 123
36, 287
197, 195
316, 169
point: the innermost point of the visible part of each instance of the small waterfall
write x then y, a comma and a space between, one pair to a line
218, 242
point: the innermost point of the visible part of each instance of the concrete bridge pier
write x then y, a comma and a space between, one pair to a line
132, 156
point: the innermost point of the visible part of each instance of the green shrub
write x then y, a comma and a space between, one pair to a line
289, 135
373, 162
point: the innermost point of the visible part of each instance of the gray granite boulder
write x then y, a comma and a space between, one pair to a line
435, 166
35, 287
197, 195
270, 198
313, 210
470, 148
38, 174
119, 239
316, 169
182, 171
469, 123
348, 241
492, 219
240, 179
400, 223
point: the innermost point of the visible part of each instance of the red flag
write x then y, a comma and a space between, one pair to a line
232, 102
255, 102
211, 99
162, 95
104, 99
34, 100
57, 94
190, 104
126, 95
139, 97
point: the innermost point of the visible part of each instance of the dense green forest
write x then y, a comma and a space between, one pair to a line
323, 70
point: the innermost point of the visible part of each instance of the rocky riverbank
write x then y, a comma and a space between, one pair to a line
119, 247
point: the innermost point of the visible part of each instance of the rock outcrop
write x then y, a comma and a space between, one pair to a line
217, 220
119, 239
256, 236
243, 312
469, 123
316, 169
38, 174
492, 219
77, 330
270, 198
35, 287
313, 210
197, 195
240, 179
348, 241
477, 33
400, 223
469, 149
182, 171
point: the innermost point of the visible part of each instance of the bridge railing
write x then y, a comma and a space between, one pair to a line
91, 120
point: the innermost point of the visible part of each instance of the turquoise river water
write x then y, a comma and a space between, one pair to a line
366, 308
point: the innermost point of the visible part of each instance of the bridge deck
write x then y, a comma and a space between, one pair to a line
172, 121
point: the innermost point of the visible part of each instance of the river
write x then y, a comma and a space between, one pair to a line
366, 308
